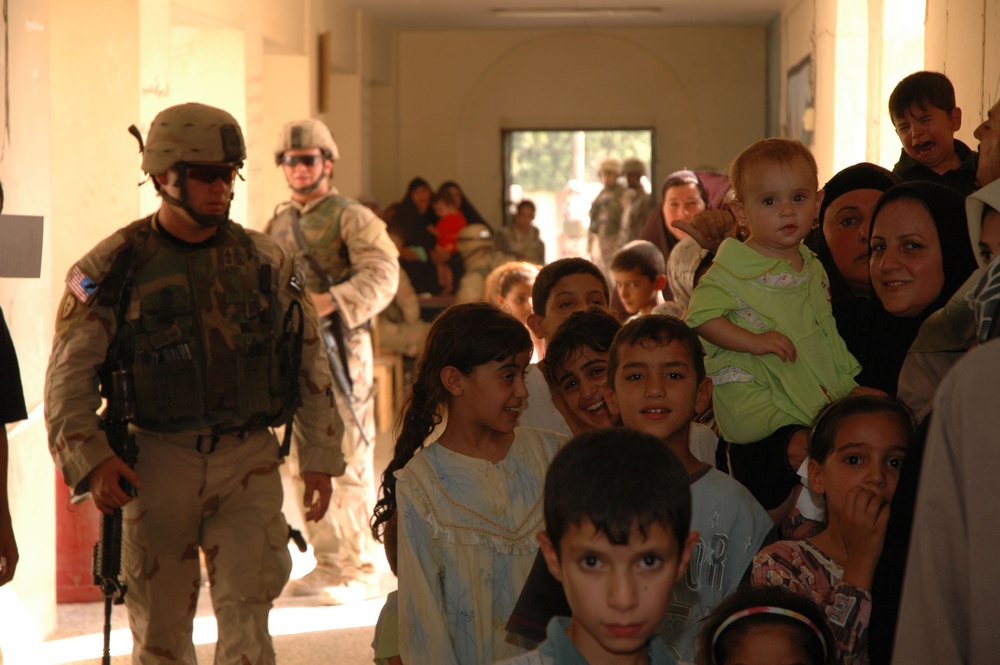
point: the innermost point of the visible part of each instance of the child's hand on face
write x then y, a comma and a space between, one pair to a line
862, 525
773, 342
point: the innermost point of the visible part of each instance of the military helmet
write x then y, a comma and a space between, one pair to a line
611, 165
635, 166
192, 133
474, 237
308, 133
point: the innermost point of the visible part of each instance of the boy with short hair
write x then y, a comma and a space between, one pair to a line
657, 382
923, 111
576, 364
561, 288
640, 276
617, 517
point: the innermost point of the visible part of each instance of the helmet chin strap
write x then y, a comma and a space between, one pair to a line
309, 189
207, 221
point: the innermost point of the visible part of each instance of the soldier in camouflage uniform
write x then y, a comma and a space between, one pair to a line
637, 204
606, 217
344, 244
194, 307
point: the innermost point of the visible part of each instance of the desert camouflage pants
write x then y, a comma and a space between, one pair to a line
342, 539
228, 503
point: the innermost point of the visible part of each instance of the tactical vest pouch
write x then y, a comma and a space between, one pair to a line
254, 378
168, 391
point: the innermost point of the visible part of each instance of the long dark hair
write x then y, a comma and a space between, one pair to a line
464, 337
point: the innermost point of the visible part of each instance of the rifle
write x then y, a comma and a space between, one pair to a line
332, 331
118, 391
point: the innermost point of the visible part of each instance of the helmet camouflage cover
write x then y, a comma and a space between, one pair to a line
192, 133
308, 133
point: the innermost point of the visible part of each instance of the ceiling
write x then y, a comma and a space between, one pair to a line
565, 14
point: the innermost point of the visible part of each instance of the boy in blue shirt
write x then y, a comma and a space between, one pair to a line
617, 513
657, 382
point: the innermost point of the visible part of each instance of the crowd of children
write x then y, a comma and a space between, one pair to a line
650, 537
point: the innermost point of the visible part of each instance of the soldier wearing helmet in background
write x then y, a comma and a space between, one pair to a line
352, 272
636, 203
606, 216
200, 314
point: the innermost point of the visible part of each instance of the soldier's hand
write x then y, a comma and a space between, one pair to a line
324, 303
319, 489
105, 487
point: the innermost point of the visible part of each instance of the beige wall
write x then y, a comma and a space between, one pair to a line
701, 89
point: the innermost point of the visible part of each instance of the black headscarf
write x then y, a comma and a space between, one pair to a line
856, 316
893, 335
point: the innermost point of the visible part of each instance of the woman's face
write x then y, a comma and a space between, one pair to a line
457, 192
906, 265
681, 202
845, 228
421, 197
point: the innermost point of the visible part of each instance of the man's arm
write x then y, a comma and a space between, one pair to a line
374, 267
8, 545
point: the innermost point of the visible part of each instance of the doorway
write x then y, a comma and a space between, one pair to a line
557, 169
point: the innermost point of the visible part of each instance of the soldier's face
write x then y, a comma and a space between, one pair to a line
209, 198
301, 173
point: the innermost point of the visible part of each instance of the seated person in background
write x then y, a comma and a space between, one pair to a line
657, 382
400, 328
617, 515
478, 256
412, 226
450, 222
774, 353
923, 111
465, 206
640, 276
521, 239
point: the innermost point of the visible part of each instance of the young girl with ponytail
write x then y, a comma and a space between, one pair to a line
468, 505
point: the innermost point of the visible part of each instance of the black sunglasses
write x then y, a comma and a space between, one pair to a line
295, 160
209, 173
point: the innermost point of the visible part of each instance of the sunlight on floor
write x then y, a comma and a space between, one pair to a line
283, 621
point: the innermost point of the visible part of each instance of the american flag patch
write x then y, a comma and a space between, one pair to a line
80, 285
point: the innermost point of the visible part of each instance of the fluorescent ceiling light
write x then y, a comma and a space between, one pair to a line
589, 12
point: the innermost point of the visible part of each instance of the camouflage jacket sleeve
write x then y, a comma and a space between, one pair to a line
318, 427
374, 267
84, 330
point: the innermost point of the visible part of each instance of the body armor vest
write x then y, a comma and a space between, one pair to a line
204, 324
321, 232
